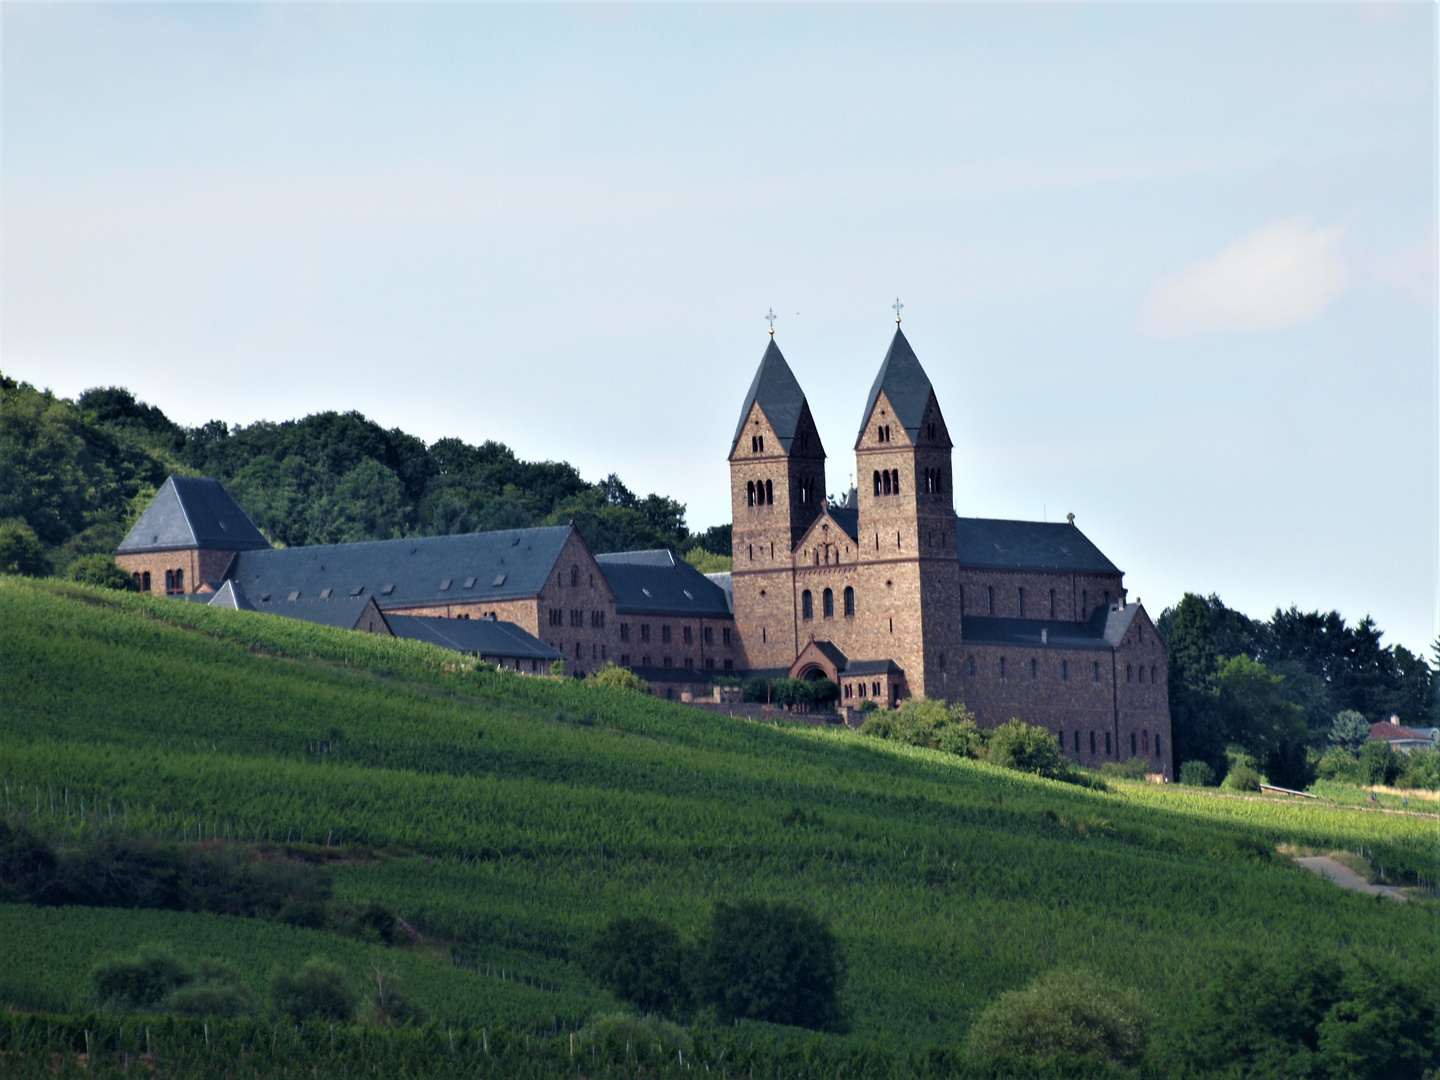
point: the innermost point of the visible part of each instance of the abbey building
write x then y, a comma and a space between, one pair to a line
891, 595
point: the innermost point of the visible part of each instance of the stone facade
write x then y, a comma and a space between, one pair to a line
176, 573
878, 582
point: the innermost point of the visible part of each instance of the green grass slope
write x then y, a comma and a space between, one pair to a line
522, 813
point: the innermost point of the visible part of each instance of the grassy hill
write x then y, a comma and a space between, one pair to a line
509, 817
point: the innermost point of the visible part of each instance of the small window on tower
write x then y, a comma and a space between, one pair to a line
769, 492
827, 604
877, 481
807, 605
849, 602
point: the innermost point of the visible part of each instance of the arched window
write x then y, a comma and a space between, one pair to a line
750, 492
769, 492
827, 604
169, 581
877, 481
849, 602
807, 605
895, 481
885, 481
1127, 672
970, 665
145, 581
179, 580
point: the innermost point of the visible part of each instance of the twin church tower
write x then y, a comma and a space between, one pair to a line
893, 595
877, 578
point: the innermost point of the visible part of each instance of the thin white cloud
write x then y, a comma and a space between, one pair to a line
1283, 274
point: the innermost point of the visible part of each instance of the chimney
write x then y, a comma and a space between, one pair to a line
1395, 720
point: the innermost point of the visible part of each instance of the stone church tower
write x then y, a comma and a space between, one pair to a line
906, 527
777, 489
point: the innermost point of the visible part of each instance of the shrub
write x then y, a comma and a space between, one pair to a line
139, 982
775, 962
318, 992
390, 1007
1130, 769
100, 570
642, 961
1065, 1013
611, 674
868, 706
216, 990
20, 550
1242, 778
1018, 745
1302, 1015
1349, 732
1379, 764
1338, 764
1197, 774
1422, 770
926, 722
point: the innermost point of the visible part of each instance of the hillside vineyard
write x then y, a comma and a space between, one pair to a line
889, 594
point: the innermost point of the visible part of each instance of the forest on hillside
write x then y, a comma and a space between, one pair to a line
78, 473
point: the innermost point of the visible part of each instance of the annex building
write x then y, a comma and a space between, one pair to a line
892, 594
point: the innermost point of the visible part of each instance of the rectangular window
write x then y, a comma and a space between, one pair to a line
665, 633
1002, 667
1132, 744
688, 635
1022, 601
597, 620
1092, 742
729, 665
989, 599
1065, 670
624, 631
1097, 670
624, 659
644, 631
1077, 742
709, 635
1107, 742
725, 635
668, 662
557, 617
709, 663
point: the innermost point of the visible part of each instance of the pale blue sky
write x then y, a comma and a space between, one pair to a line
1171, 268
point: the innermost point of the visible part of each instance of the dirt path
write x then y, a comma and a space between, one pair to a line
1346, 878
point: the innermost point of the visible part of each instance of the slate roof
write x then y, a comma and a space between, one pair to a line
779, 395
192, 512
228, 596
996, 544
1398, 733
341, 611
830, 651
847, 519
727, 585
905, 384
478, 637
872, 667
511, 564
1102, 631
658, 583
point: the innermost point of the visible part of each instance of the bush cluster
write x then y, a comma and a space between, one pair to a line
1379, 764
118, 872
1065, 1014
775, 962
787, 692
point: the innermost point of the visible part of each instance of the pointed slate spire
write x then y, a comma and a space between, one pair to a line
905, 384
777, 392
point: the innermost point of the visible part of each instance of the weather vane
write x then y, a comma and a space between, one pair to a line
770, 318
897, 306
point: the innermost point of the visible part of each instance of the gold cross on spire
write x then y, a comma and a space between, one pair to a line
897, 306
770, 318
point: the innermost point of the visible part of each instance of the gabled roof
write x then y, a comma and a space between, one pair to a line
1104, 630
848, 520
1397, 733
512, 564
227, 596
777, 392
905, 384
658, 583
342, 611
192, 512
479, 637
995, 544
726, 583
